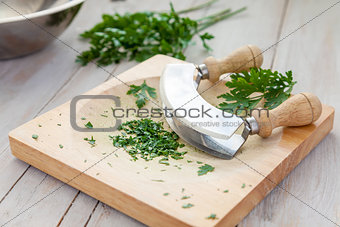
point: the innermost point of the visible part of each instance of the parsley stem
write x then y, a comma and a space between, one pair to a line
216, 19
201, 6
214, 15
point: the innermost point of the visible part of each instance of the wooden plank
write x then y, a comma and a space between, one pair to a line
274, 158
107, 216
75, 214
311, 53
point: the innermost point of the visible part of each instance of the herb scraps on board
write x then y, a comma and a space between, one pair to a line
249, 88
147, 139
188, 205
35, 136
185, 197
141, 93
139, 36
89, 125
205, 169
212, 216
91, 141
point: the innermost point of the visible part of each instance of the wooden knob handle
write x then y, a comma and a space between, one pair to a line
298, 110
242, 59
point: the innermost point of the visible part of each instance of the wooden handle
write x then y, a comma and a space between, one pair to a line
298, 110
242, 59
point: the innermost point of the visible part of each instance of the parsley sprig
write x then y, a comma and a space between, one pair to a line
147, 139
138, 36
140, 92
249, 88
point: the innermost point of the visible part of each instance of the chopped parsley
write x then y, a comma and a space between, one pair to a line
185, 197
205, 169
166, 194
91, 141
243, 186
198, 162
61, 146
59, 124
147, 139
189, 161
89, 125
158, 180
212, 216
188, 205
35, 136
164, 161
226, 191
83, 118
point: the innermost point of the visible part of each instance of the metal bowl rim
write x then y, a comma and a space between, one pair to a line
42, 12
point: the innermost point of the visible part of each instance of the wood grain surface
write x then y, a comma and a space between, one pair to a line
109, 175
37, 83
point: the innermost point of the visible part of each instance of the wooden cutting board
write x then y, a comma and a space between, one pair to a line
137, 187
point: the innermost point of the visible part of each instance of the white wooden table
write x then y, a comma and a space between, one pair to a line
32, 85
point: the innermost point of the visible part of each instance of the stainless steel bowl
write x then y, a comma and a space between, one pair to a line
29, 25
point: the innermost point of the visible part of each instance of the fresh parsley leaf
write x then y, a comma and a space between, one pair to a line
141, 93
204, 37
205, 169
249, 88
89, 125
188, 205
